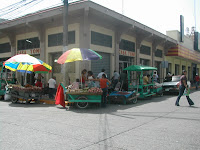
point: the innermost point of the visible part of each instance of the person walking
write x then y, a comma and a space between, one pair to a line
155, 77
182, 87
52, 87
196, 79
101, 73
115, 78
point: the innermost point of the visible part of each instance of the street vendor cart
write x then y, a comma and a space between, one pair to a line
145, 90
82, 97
123, 96
28, 94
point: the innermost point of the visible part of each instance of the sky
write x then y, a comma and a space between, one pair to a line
161, 15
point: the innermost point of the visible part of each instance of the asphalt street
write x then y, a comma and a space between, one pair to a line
151, 124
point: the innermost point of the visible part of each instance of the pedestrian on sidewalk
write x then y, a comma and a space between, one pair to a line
52, 87
182, 87
196, 79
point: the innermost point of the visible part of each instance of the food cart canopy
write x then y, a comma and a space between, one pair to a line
139, 68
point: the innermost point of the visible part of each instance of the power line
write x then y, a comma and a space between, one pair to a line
20, 6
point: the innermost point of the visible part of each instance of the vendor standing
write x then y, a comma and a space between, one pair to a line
146, 79
83, 77
104, 86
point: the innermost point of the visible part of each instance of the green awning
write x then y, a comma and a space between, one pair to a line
139, 68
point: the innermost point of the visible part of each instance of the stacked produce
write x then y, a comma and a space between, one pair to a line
95, 90
28, 88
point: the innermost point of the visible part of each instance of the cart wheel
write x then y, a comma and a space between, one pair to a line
82, 104
14, 99
134, 101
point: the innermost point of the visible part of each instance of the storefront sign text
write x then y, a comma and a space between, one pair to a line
126, 53
30, 51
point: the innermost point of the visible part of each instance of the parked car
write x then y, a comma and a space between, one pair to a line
172, 85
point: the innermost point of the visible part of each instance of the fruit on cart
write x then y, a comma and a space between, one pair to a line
95, 90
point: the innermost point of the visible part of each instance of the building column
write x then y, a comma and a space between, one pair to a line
85, 30
137, 52
12, 39
41, 32
154, 46
116, 53
85, 40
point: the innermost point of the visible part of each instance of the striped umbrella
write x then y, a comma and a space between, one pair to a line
27, 64
78, 54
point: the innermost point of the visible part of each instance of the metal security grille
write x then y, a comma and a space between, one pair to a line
104, 63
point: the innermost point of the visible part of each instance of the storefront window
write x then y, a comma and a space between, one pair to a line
169, 69
57, 39
158, 53
101, 39
145, 50
144, 62
28, 43
183, 68
127, 45
5, 47
176, 69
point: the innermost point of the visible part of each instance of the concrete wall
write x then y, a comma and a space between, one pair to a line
188, 42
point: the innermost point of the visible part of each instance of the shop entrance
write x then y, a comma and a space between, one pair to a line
122, 65
125, 62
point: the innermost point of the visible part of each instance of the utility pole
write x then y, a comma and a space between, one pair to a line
65, 38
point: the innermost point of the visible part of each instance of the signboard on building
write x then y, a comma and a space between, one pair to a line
126, 53
164, 64
29, 51
196, 41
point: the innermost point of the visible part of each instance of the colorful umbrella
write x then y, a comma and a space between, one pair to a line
26, 63
77, 54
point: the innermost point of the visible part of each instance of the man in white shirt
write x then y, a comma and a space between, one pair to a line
115, 78
155, 77
100, 74
52, 87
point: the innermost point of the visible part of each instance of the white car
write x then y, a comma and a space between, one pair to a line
172, 86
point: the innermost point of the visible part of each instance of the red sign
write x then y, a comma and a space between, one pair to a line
30, 51
126, 53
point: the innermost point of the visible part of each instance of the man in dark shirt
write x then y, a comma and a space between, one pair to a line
196, 78
182, 87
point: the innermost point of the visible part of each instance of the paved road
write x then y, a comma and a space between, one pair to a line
153, 124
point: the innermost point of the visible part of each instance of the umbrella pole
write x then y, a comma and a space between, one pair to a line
25, 75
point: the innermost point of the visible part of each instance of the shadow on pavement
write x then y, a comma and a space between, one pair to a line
29, 105
96, 109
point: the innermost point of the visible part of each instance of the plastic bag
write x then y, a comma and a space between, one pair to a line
186, 92
7, 97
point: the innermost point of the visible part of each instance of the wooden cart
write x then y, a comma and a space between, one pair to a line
27, 95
